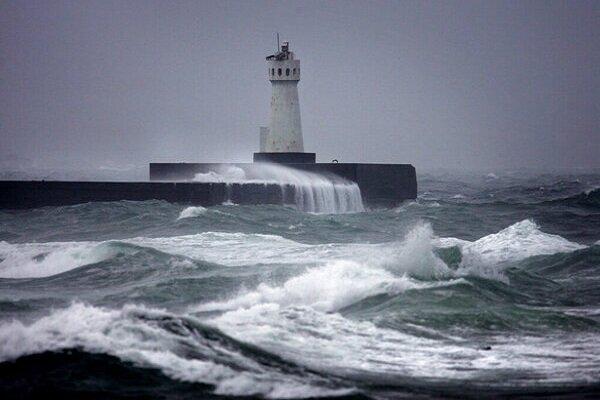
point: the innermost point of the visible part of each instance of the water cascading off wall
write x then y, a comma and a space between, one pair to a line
312, 192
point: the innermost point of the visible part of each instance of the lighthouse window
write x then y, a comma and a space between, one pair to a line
294, 71
287, 72
279, 71
273, 71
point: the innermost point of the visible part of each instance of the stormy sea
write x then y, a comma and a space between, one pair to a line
483, 287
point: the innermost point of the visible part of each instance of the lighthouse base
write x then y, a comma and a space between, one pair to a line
286, 158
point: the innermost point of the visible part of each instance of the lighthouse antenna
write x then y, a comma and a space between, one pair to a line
277, 42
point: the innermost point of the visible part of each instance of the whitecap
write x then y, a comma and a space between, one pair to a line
140, 335
191, 212
339, 283
37, 260
487, 255
519, 241
312, 337
330, 287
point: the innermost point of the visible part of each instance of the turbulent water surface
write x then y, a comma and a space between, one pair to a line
483, 286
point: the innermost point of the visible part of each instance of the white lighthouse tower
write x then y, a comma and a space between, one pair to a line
282, 140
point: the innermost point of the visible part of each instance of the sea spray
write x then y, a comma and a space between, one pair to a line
312, 192
488, 255
180, 346
37, 260
354, 299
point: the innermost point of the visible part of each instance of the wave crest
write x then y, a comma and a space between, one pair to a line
181, 347
487, 255
192, 212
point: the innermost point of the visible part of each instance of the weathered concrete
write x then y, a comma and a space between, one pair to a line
32, 194
380, 184
285, 158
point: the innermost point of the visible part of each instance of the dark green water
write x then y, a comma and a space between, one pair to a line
483, 287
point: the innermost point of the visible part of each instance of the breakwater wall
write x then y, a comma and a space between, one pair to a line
384, 185
32, 194
380, 185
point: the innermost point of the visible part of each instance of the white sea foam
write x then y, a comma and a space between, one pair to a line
137, 334
419, 203
312, 337
191, 212
36, 260
521, 240
298, 319
236, 249
336, 284
312, 192
327, 288
413, 255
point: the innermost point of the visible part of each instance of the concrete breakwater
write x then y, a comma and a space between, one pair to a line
381, 185
32, 194
339, 188
321, 199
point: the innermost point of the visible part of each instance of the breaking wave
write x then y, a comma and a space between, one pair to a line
328, 288
487, 255
279, 335
587, 199
312, 192
191, 212
37, 260
414, 256
181, 347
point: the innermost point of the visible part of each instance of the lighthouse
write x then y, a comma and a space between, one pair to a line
282, 140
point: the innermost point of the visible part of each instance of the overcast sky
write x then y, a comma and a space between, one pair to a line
475, 85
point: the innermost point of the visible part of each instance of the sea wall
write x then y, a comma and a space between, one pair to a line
383, 185
32, 194
380, 184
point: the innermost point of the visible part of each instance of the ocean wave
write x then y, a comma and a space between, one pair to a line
191, 212
589, 198
41, 260
37, 260
340, 283
312, 337
413, 255
419, 203
522, 240
181, 347
328, 288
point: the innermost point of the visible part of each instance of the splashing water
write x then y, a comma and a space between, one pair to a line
312, 192
491, 295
